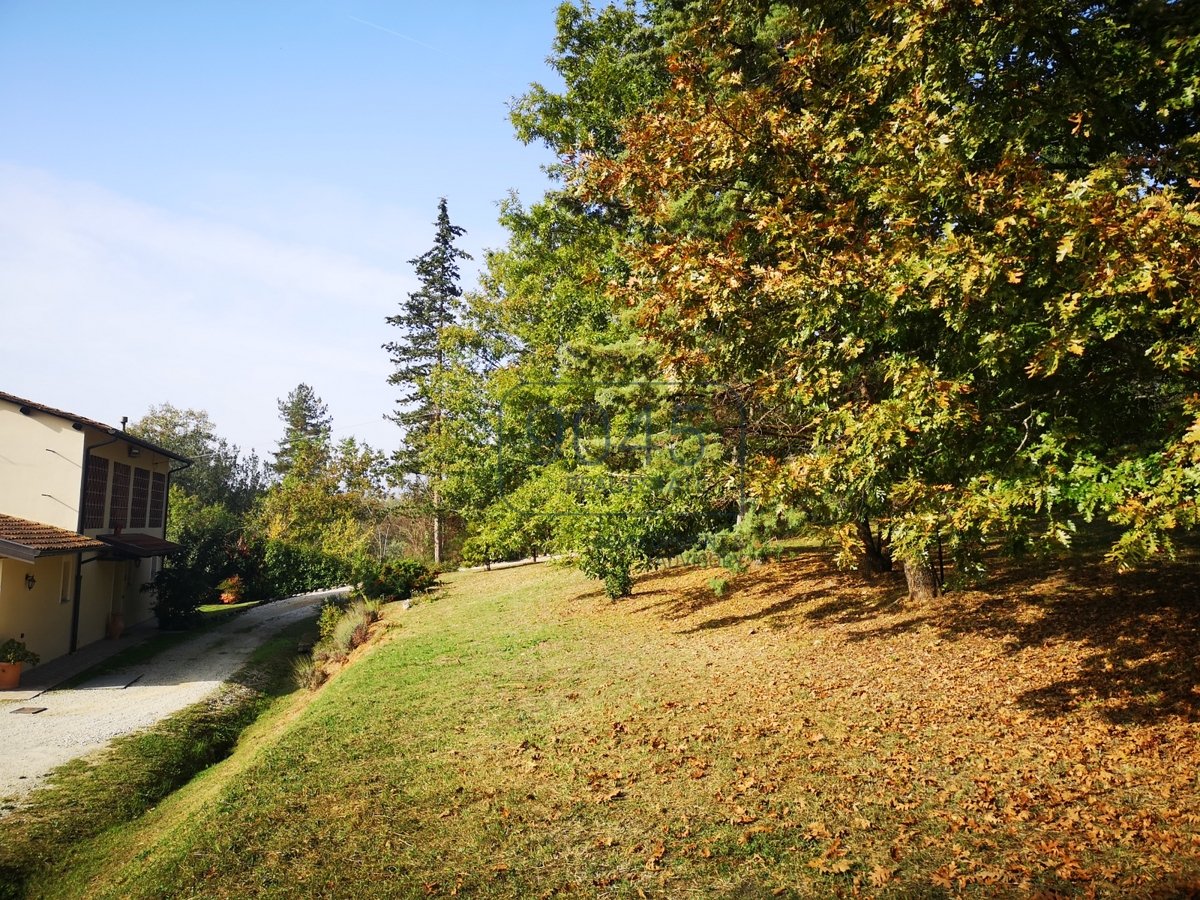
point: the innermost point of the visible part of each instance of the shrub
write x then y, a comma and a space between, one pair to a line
341, 631
288, 569
618, 583
369, 609
396, 579
344, 634
362, 631
232, 590
351, 628
610, 552
331, 612
203, 532
323, 652
180, 590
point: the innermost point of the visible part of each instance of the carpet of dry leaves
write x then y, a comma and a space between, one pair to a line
808, 734
1039, 736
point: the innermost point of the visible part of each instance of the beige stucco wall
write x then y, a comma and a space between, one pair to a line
136, 605
41, 479
41, 464
127, 596
97, 599
40, 617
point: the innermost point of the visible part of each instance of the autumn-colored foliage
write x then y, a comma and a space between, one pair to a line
958, 242
945, 257
232, 589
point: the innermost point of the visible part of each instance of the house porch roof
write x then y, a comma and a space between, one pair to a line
26, 540
136, 544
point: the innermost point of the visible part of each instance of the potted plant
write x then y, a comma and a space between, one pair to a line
12, 654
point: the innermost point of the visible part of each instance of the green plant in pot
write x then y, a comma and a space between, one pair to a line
13, 655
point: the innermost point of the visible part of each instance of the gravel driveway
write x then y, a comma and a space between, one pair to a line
81, 720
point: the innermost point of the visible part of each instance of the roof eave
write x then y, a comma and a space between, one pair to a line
21, 552
138, 442
83, 422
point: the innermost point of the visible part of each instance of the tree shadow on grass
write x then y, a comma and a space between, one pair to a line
885, 596
1135, 638
1141, 635
647, 601
1127, 645
688, 597
771, 611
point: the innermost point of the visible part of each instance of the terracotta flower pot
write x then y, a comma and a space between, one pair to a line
10, 676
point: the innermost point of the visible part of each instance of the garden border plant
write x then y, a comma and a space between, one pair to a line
341, 628
345, 623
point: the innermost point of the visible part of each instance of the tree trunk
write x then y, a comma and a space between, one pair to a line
922, 580
876, 556
437, 527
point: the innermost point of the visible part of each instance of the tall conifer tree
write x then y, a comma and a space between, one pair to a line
419, 355
307, 422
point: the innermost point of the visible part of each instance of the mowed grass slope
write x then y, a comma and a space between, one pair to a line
806, 735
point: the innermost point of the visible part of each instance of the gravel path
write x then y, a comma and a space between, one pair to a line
528, 561
81, 720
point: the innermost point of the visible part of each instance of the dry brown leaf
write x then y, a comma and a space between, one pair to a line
881, 875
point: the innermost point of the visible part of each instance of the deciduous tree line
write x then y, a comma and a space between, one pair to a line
922, 276
321, 513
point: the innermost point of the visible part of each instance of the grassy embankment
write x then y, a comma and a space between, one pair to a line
805, 735
49, 830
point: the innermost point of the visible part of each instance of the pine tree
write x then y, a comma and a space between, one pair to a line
419, 356
307, 422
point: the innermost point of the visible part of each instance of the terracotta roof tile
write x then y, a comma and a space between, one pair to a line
32, 539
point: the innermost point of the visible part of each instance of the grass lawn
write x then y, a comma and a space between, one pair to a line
65, 825
807, 734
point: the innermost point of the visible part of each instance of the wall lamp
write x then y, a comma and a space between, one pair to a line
135, 451
30, 581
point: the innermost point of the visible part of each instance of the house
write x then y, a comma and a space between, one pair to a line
83, 511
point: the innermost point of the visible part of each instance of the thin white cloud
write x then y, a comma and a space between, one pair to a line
411, 40
112, 305
87, 220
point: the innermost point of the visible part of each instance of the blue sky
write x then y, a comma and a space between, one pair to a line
208, 203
